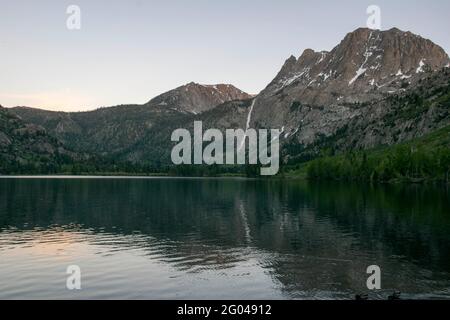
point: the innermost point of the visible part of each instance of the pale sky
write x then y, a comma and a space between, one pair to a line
130, 51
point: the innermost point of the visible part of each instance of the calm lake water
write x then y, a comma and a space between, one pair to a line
167, 238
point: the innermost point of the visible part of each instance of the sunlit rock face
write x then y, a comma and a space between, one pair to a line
366, 64
196, 98
349, 92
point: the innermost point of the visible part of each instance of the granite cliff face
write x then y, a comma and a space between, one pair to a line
367, 65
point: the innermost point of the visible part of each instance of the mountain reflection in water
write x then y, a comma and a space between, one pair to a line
221, 238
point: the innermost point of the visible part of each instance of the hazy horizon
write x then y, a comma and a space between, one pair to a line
129, 52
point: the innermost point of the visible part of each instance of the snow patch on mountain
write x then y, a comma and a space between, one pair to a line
421, 65
287, 82
367, 55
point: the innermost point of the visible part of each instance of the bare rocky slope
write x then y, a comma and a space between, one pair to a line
367, 65
196, 98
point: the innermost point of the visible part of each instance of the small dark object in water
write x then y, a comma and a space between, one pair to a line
361, 297
395, 296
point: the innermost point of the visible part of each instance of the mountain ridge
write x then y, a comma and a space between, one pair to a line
109, 130
365, 66
196, 98
379, 56
355, 95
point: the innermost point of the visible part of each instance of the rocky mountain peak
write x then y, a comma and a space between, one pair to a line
196, 98
366, 64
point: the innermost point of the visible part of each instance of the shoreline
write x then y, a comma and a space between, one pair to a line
286, 177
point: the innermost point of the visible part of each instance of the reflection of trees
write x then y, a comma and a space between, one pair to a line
315, 237
337, 231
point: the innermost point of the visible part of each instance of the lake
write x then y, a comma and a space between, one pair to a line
224, 238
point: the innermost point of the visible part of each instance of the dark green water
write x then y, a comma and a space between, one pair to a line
165, 238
